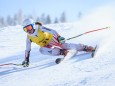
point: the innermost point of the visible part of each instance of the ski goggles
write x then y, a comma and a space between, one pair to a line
28, 28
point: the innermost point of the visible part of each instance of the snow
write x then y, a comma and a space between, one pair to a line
81, 70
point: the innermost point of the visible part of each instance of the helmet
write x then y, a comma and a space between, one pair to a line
27, 22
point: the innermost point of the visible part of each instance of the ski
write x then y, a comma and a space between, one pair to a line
58, 60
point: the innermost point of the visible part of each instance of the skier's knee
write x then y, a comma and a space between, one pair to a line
50, 51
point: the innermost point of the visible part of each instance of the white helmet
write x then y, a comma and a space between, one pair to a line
27, 22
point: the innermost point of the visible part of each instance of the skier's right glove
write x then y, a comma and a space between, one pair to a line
25, 63
61, 39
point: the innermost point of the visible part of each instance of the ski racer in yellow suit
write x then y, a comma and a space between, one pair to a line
50, 42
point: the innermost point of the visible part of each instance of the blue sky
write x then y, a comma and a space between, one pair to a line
52, 7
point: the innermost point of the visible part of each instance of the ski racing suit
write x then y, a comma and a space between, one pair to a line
48, 41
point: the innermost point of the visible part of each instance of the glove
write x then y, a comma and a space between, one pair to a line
25, 63
61, 39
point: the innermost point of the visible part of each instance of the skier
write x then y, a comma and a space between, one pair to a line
50, 42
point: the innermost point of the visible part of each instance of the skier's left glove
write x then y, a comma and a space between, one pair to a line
61, 39
25, 63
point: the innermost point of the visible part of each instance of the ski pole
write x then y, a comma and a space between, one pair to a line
10, 64
87, 33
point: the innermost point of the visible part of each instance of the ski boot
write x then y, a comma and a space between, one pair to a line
90, 49
62, 52
67, 55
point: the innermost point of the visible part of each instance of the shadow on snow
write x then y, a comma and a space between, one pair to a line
47, 64
16, 69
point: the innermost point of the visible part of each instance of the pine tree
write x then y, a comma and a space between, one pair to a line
9, 20
43, 18
56, 20
79, 15
2, 22
63, 17
48, 20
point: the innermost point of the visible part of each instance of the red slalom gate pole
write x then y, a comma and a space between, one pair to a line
88, 32
5, 64
10, 64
